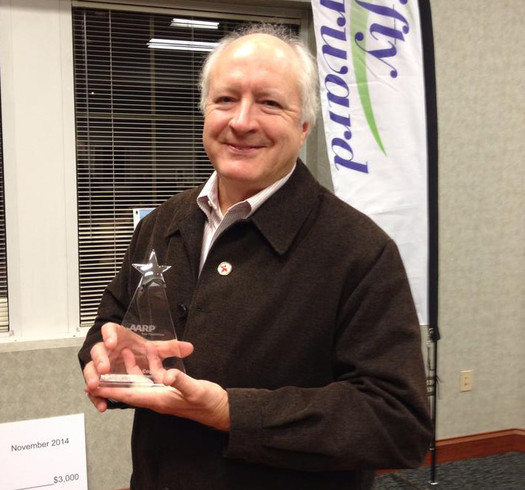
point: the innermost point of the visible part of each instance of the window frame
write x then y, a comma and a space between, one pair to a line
43, 280
4, 278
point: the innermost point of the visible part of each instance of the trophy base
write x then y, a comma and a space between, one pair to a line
126, 380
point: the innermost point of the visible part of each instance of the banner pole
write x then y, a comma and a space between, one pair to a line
432, 387
433, 221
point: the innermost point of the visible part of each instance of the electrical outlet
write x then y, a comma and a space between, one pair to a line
465, 380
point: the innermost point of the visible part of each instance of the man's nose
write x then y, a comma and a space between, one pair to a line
244, 119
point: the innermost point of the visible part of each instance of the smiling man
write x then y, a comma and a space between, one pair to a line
254, 125
299, 333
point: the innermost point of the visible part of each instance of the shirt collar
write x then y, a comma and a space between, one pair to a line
208, 198
279, 221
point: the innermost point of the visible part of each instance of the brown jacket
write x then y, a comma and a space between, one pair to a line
313, 333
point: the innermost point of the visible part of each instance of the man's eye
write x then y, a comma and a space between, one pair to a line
223, 100
271, 103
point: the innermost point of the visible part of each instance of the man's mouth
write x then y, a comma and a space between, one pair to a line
242, 148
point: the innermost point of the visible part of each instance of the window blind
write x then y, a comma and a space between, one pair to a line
138, 127
4, 308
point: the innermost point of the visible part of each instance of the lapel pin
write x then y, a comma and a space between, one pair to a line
224, 268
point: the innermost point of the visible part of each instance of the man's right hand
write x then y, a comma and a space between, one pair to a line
114, 338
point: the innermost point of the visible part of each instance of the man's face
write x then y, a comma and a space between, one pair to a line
252, 128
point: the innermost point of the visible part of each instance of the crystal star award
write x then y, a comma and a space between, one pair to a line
147, 320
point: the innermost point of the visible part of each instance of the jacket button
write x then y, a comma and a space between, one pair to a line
182, 310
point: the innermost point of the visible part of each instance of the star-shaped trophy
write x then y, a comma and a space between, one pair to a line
147, 320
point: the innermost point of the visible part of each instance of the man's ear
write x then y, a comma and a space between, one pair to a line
306, 126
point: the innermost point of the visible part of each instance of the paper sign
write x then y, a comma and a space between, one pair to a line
43, 453
139, 213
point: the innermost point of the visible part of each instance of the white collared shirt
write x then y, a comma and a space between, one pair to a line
208, 201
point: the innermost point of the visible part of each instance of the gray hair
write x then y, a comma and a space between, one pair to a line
308, 78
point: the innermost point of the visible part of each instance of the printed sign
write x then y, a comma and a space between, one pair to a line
44, 453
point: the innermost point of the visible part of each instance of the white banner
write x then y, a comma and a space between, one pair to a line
373, 100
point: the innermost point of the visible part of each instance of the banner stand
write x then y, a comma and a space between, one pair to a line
432, 385
427, 38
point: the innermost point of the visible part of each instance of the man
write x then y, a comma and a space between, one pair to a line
300, 338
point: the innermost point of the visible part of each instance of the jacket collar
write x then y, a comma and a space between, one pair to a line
279, 219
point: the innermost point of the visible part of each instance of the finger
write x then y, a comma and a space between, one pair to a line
130, 362
169, 377
136, 396
182, 382
155, 362
185, 348
100, 404
110, 334
100, 359
91, 376
174, 348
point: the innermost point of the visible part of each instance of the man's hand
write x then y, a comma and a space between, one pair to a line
120, 345
100, 361
181, 395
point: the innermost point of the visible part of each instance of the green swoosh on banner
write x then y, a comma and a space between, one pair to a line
358, 23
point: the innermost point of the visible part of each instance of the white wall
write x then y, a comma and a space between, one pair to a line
39, 164
480, 64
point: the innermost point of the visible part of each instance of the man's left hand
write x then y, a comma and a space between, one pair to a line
181, 395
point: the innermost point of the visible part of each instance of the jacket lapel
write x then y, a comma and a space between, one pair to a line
279, 220
282, 217
188, 220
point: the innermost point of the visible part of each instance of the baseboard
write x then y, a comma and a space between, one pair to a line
478, 445
475, 446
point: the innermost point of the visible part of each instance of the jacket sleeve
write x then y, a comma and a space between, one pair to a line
373, 415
